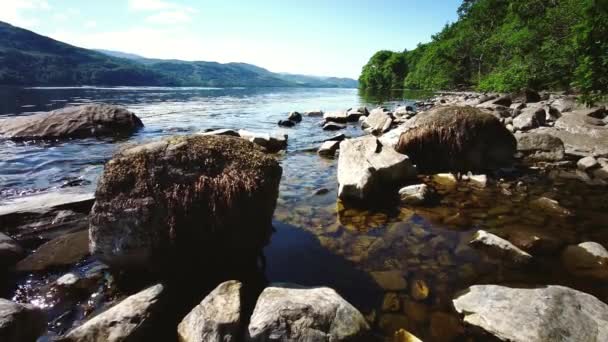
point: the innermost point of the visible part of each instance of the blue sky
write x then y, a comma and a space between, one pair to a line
320, 37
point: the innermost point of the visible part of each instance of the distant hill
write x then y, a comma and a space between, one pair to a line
29, 59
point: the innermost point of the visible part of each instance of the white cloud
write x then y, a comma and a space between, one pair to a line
150, 5
170, 17
166, 13
19, 12
90, 24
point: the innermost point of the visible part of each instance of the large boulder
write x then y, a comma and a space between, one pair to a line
366, 168
20, 323
550, 313
136, 318
540, 147
530, 117
292, 313
457, 139
180, 194
216, 318
72, 122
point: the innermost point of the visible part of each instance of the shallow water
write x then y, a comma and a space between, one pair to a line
400, 266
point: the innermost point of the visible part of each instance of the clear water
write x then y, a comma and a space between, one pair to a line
318, 240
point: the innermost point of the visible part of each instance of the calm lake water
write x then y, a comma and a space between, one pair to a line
400, 266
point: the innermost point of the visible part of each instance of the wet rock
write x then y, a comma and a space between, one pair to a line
527, 96
587, 259
390, 280
72, 122
587, 163
366, 168
402, 335
178, 195
289, 312
533, 240
321, 191
133, 319
378, 121
457, 139
416, 311
333, 126
540, 147
314, 113
445, 327
530, 117
419, 290
64, 250
286, 123
20, 323
216, 318
499, 248
415, 194
328, 149
295, 117
337, 137
391, 302
271, 143
550, 205
10, 251
223, 131
390, 323
351, 115
480, 181
548, 313
447, 180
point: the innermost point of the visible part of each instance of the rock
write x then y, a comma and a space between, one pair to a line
550, 205
445, 327
532, 239
390, 280
378, 121
295, 117
64, 250
391, 302
587, 163
72, 122
587, 259
10, 251
366, 168
314, 113
548, 313
415, 194
181, 194
402, 335
68, 280
20, 323
446, 180
404, 111
504, 100
133, 319
337, 137
540, 147
216, 318
457, 139
351, 115
332, 126
292, 313
286, 123
527, 96
321, 191
419, 290
223, 131
328, 149
565, 104
499, 248
529, 118
480, 181
271, 143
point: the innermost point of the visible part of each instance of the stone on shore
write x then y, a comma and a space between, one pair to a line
271, 143
64, 250
287, 312
133, 319
418, 194
530, 117
500, 248
328, 149
379, 121
181, 194
457, 139
587, 259
587, 163
72, 122
548, 313
20, 323
216, 318
10, 251
540, 147
366, 168
344, 116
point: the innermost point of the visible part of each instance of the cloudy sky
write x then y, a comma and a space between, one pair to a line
318, 37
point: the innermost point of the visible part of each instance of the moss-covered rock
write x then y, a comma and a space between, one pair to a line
181, 195
457, 139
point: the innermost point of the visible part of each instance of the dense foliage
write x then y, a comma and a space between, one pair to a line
27, 58
505, 45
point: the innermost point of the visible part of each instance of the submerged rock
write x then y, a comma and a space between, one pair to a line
540, 147
216, 318
418, 194
457, 139
390, 280
292, 313
587, 259
64, 250
20, 323
549, 313
271, 143
180, 195
366, 168
72, 122
135, 318
499, 248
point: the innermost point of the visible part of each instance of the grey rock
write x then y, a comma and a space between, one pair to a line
530, 117
71, 122
587, 259
564, 104
366, 168
587, 163
216, 318
550, 313
133, 319
20, 323
540, 147
378, 121
499, 248
10, 251
328, 149
64, 250
504, 100
418, 194
270, 142
291, 313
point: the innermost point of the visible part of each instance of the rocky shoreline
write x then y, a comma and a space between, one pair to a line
162, 205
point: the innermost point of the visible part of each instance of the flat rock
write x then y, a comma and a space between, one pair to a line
550, 313
587, 259
286, 312
498, 247
216, 318
71, 122
328, 149
20, 323
64, 250
540, 147
270, 142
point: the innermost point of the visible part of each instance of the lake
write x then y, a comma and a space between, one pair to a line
400, 266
